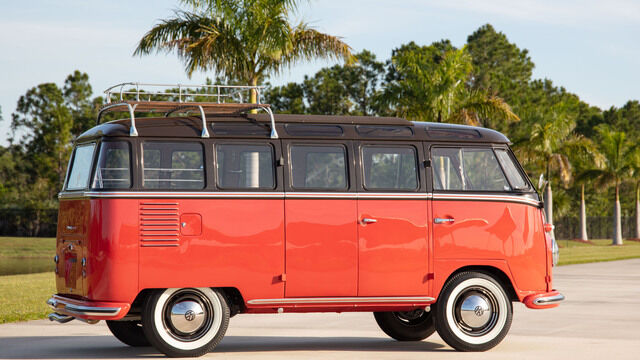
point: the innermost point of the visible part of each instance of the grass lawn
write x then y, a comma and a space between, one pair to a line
26, 255
575, 252
23, 297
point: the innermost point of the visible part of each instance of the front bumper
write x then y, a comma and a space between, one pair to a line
543, 300
66, 309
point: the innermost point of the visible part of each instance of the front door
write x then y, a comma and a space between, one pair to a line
392, 214
320, 221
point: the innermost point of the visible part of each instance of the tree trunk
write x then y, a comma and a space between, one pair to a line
548, 207
638, 210
254, 94
583, 218
617, 226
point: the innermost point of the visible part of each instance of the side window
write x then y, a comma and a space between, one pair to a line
515, 177
245, 166
389, 168
113, 170
319, 167
172, 165
81, 167
467, 169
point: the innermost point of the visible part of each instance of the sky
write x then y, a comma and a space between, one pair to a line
590, 47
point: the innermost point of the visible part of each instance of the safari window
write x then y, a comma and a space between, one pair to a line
319, 167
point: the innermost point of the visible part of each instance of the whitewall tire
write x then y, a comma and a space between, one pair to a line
473, 312
185, 322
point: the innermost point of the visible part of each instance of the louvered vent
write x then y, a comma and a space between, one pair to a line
159, 224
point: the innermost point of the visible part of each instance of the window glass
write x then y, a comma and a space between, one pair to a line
511, 170
389, 168
319, 167
172, 165
467, 169
113, 170
81, 167
245, 166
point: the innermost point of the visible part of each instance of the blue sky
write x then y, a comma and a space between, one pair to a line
588, 46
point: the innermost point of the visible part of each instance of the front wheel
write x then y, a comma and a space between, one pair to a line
473, 312
185, 322
413, 325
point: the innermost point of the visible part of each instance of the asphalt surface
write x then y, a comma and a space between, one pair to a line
599, 320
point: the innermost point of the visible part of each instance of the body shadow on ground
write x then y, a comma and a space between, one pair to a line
102, 347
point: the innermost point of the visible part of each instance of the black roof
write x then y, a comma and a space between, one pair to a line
297, 126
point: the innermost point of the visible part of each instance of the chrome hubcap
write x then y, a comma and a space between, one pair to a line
187, 316
476, 311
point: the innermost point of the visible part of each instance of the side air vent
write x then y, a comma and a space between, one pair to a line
159, 224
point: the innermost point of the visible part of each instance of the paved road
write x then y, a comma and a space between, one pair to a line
599, 320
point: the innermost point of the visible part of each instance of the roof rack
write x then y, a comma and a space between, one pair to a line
153, 98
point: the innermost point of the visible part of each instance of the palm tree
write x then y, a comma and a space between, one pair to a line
550, 142
619, 156
242, 40
428, 90
636, 175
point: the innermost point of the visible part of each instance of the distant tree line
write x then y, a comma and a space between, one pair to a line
589, 156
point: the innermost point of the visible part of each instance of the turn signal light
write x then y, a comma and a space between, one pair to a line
548, 227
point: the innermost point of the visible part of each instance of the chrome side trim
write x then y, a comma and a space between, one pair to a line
482, 197
342, 300
547, 300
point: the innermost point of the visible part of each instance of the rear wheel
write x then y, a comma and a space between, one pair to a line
185, 322
473, 312
412, 325
129, 332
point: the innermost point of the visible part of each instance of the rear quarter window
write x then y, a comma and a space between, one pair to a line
81, 167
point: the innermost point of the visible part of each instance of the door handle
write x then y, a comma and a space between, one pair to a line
366, 221
442, 221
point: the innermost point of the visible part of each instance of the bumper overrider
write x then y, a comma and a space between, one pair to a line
543, 300
66, 309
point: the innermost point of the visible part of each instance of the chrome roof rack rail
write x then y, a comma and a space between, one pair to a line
171, 98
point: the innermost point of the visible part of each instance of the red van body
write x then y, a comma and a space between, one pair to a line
286, 249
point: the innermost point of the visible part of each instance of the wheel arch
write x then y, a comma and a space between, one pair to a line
490, 270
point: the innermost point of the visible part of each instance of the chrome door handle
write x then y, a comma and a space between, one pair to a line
442, 221
368, 221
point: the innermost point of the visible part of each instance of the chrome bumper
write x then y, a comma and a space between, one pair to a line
65, 311
549, 300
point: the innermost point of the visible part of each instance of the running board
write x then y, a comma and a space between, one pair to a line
344, 300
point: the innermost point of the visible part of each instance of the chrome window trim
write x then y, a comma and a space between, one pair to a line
298, 195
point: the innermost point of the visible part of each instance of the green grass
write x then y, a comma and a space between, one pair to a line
23, 297
26, 255
21, 247
575, 252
